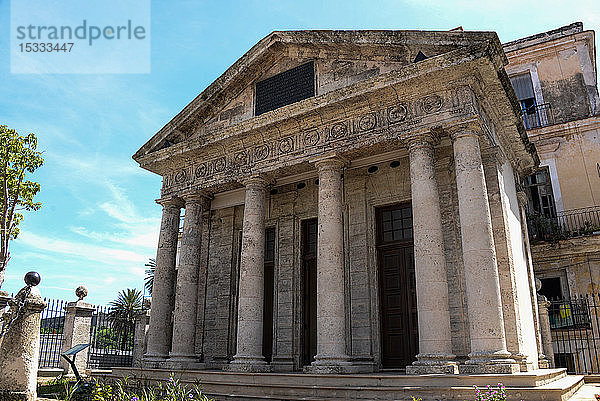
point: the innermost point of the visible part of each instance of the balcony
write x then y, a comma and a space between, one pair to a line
537, 116
567, 224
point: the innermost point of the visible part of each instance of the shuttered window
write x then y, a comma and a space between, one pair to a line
523, 86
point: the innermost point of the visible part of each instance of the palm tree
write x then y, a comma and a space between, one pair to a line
122, 313
149, 279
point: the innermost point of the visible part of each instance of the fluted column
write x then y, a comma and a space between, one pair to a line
159, 332
435, 344
331, 333
486, 322
251, 288
184, 318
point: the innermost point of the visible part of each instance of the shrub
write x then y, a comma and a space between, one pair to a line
124, 390
491, 393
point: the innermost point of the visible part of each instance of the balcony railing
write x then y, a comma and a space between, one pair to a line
537, 116
567, 224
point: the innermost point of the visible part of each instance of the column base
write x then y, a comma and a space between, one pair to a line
247, 364
153, 361
185, 362
334, 365
433, 364
490, 362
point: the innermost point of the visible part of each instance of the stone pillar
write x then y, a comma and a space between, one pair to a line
20, 349
435, 343
160, 330
251, 287
78, 321
183, 351
331, 317
139, 337
543, 305
486, 323
543, 361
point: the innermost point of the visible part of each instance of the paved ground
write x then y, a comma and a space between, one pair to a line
586, 392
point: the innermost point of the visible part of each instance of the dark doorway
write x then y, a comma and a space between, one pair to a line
268, 294
397, 293
309, 278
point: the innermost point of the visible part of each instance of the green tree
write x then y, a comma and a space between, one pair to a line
149, 279
18, 158
122, 313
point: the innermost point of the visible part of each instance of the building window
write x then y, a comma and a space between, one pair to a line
534, 115
538, 187
551, 288
285, 88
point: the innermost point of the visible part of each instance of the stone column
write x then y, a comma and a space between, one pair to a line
543, 361
488, 342
78, 321
183, 351
251, 287
543, 305
139, 337
159, 332
331, 317
20, 349
435, 343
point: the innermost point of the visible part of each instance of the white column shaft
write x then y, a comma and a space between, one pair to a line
251, 288
184, 318
159, 331
331, 332
435, 344
486, 321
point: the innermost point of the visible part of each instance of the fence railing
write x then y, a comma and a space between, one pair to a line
111, 339
537, 116
567, 224
52, 333
575, 331
111, 336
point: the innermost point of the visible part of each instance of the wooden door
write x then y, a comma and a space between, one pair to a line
309, 278
397, 293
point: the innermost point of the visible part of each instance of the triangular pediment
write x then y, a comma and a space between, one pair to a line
341, 58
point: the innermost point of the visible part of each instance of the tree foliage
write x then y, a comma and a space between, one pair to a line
18, 158
122, 313
149, 279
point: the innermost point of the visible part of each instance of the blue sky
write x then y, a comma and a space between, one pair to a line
99, 223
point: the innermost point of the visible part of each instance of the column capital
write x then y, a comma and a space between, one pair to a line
256, 181
464, 128
329, 162
420, 139
170, 202
197, 197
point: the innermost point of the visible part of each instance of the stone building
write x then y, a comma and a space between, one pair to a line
351, 205
555, 79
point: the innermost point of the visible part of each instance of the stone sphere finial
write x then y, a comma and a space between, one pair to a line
538, 285
81, 292
32, 279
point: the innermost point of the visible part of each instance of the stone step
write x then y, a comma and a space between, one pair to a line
522, 379
543, 385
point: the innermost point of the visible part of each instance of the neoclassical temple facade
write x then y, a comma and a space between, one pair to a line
351, 204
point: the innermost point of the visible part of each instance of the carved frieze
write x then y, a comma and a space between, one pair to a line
236, 160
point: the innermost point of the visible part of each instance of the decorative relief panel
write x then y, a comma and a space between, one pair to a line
238, 161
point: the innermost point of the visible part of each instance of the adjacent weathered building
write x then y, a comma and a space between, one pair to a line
555, 80
351, 204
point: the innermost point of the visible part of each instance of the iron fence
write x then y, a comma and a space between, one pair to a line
51, 333
111, 337
566, 224
537, 116
575, 331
